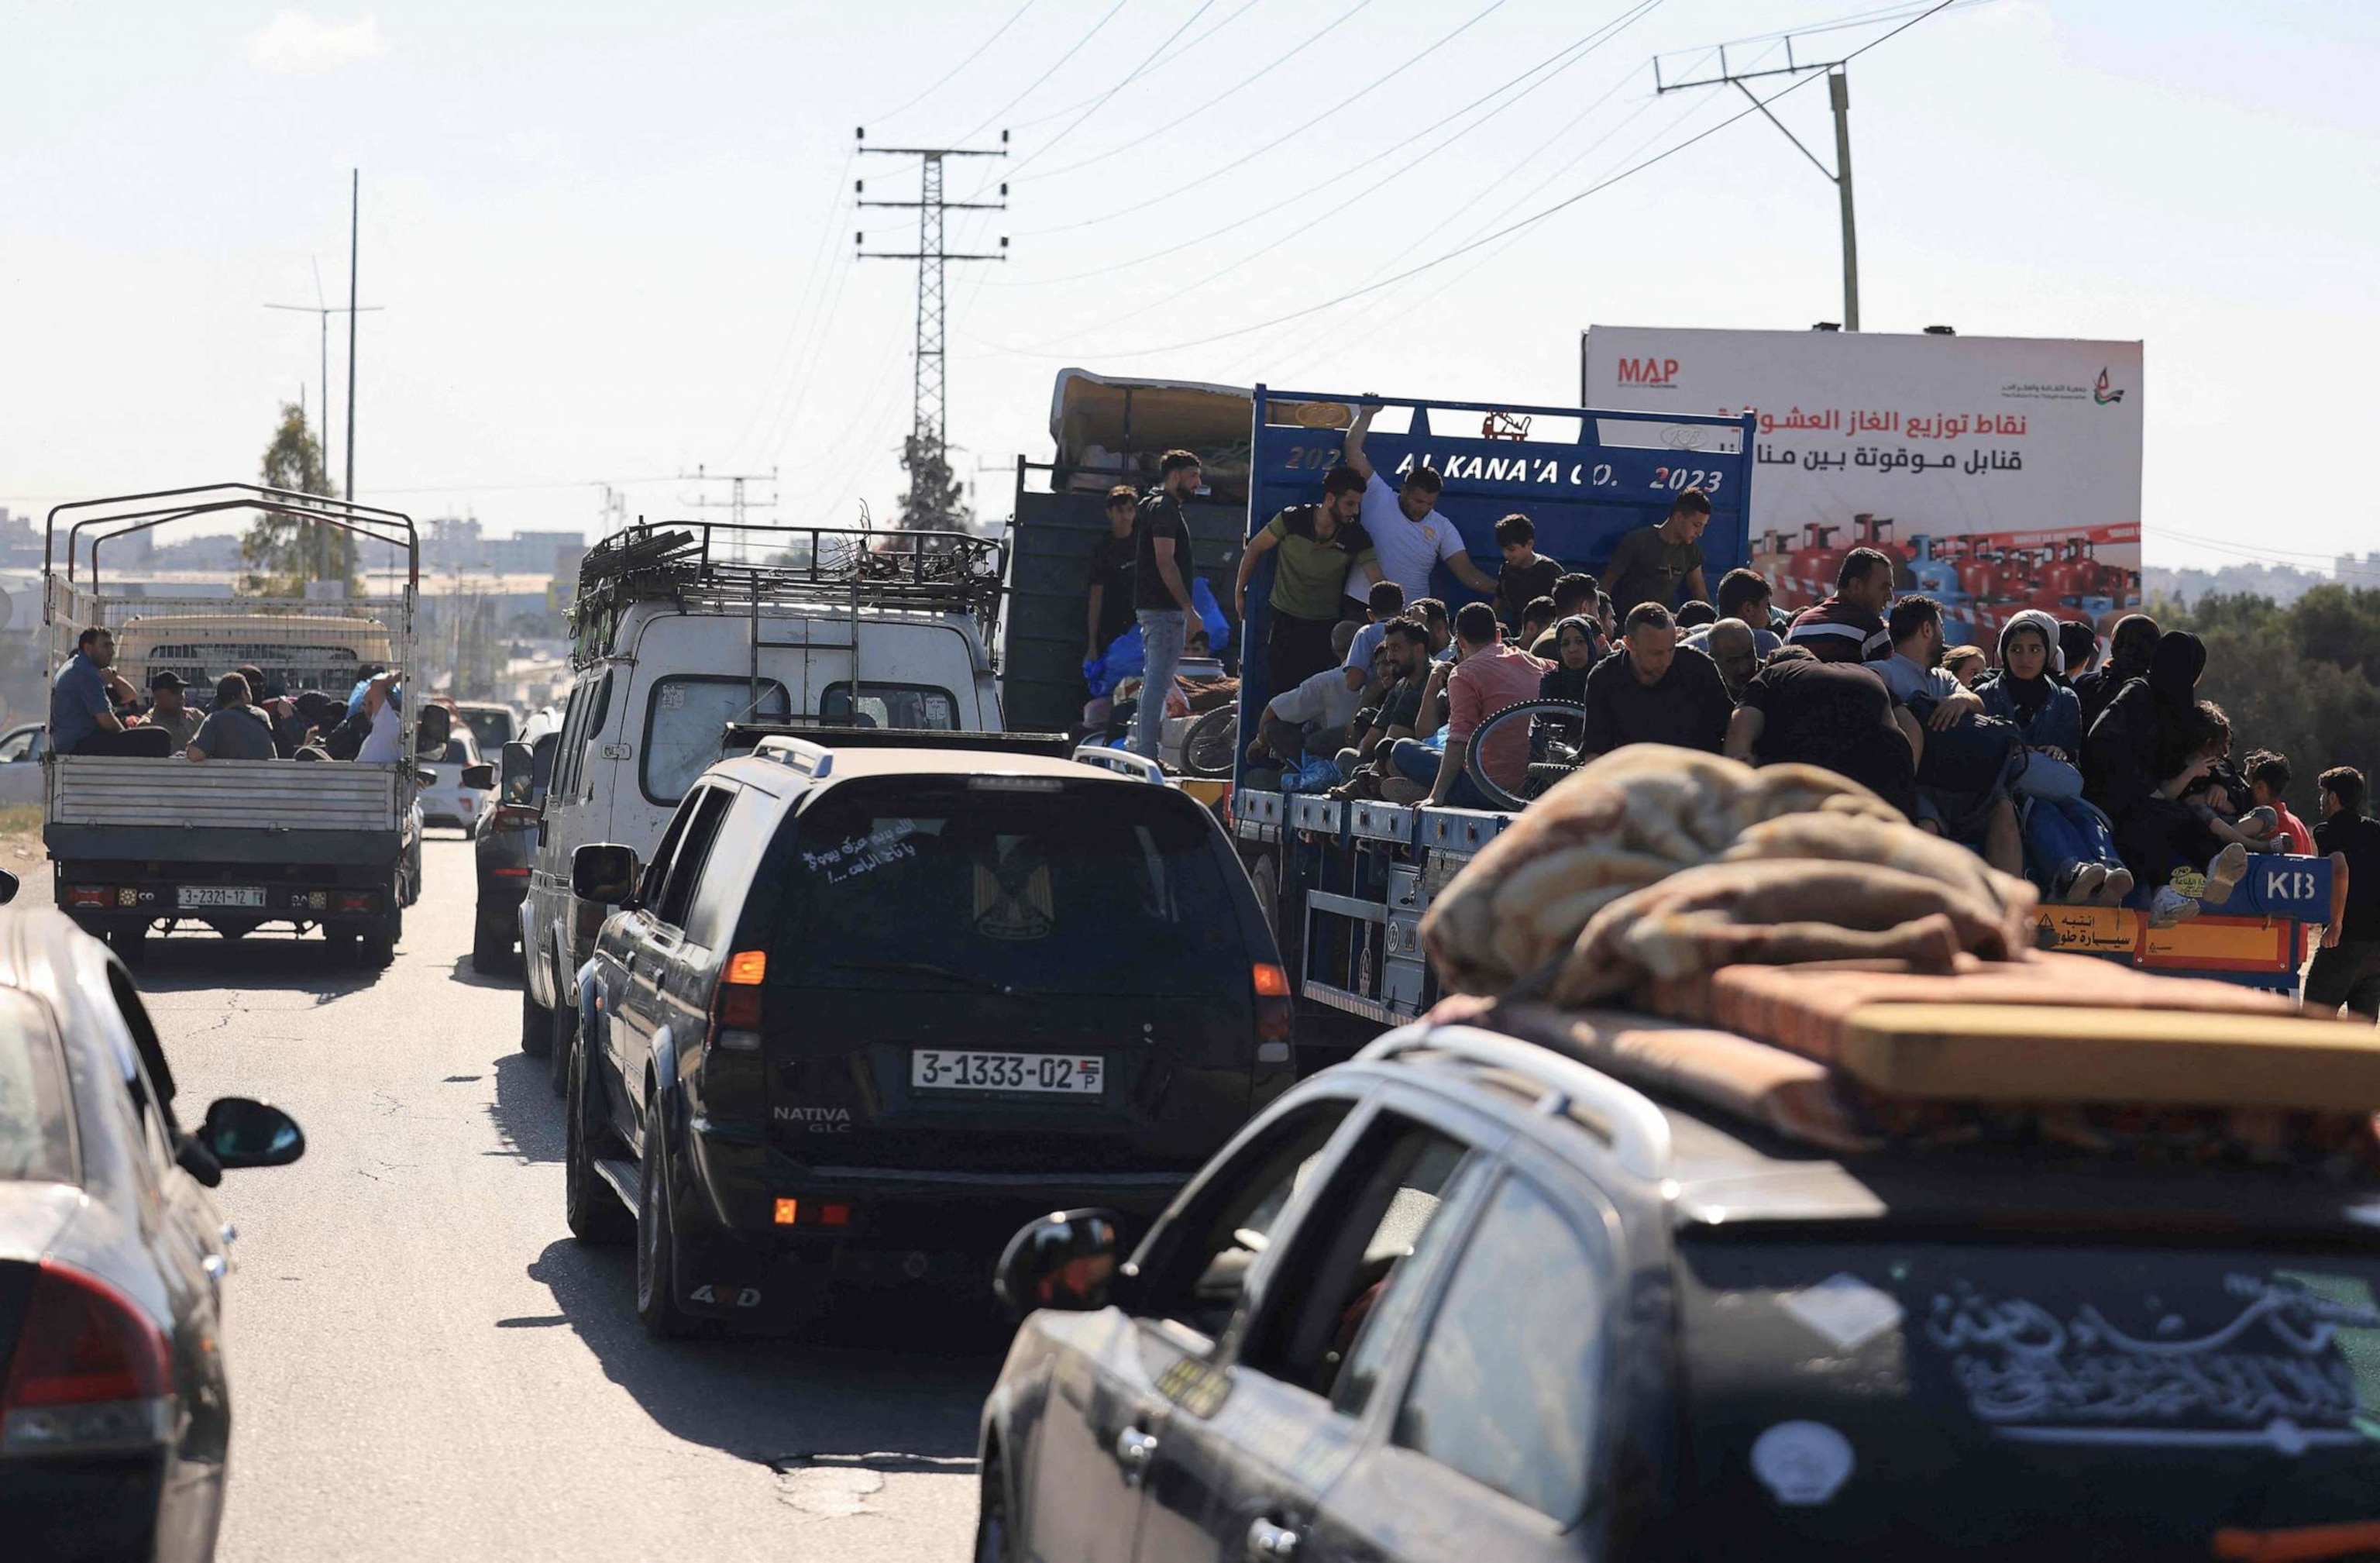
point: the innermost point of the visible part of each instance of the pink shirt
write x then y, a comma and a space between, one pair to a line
1484, 683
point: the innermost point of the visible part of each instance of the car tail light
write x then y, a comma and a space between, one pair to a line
90, 895
736, 1008
520, 872
1271, 985
813, 1212
355, 900
90, 1370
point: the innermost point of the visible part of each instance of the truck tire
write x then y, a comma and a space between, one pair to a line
658, 1308
593, 1212
537, 1026
562, 1043
130, 945
376, 951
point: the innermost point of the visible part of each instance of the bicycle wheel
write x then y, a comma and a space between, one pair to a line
1561, 724
1211, 744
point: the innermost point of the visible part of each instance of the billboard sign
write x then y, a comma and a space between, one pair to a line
1999, 472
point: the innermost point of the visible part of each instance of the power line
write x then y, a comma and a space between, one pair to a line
794, 322
1136, 73
965, 60
1529, 222
1554, 66
1175, 190
1175, 122
996, 115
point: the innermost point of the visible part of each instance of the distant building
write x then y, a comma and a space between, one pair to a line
2354, 571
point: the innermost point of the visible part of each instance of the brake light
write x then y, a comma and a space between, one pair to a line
90, 1370
355, 900
793, 1213
1271, 984
509, 873
90, 895
736, 1006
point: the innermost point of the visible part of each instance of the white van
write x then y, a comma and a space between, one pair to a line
672, 643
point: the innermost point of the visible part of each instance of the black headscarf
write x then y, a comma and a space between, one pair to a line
1563, 682
2131, 646
2028, 695
2173, 673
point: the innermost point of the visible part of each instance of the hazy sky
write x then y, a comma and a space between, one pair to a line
613, 241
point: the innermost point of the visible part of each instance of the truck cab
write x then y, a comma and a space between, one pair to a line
680, 631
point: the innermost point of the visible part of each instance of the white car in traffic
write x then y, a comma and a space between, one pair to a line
444, 800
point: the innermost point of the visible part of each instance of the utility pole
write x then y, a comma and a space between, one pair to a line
354, 230
736, 502
927, 447
324, 311
1839, 94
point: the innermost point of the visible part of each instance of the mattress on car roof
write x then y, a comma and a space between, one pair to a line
2053, 1027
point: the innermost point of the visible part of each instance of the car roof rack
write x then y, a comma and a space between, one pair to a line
1122, 761
742, 737
1637, 1130
726, 566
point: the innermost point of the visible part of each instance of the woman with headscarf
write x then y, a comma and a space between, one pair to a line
1577, 648
2140, 756
2128, 658
2069, 845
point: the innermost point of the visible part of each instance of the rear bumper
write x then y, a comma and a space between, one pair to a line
101, 895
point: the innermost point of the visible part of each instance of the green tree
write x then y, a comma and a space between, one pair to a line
282, 552
2298, 680
936, 501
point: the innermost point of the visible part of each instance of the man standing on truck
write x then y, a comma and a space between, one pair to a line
1111, 585
1651, 562
1405, 527
1317, 550
1160, 591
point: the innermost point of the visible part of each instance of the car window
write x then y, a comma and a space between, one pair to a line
458, 753
574, 717
18, 746
1199, 1275
913, 707
656, 875
686, 718
1507, 1395
542, 767
36, 1130
593, 709
1031, 891
709, 807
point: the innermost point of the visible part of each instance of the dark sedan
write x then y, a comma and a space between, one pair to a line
503, 841
114, 1415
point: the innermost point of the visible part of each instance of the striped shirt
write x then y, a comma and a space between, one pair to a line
1838, 631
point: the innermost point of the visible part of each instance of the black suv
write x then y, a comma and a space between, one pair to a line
880, 996
1465, 1298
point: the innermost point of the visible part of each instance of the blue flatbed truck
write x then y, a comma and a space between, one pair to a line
1346, 884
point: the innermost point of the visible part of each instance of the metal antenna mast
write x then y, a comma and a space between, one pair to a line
929, 450
1839, 93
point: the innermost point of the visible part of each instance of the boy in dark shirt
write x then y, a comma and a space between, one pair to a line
1526, 574
2347, 969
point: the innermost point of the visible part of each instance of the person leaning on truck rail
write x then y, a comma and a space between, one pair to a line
1161, 571
1652, 563
83, 698
235, 729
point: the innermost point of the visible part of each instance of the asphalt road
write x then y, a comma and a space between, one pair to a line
424, 1364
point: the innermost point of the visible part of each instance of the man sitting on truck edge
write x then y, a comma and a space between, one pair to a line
1404, 525
1317, 551
82, 700
234, 729
1386, 602
1652, 562
1848, 625
1161, 591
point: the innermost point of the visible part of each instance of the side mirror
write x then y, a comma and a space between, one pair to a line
8, 886
1064, 1260
603, 871
481, 776
246, 1133
424, 778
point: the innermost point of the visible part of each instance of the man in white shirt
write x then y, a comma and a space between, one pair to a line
1313, 717
1407, 532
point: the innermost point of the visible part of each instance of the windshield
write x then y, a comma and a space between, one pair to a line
686, 720
35, 1143
910, 887
492, 728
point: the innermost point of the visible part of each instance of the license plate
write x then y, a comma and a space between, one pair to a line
1036, 1074
220, 896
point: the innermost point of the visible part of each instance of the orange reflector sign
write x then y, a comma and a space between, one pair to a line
1271, 981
